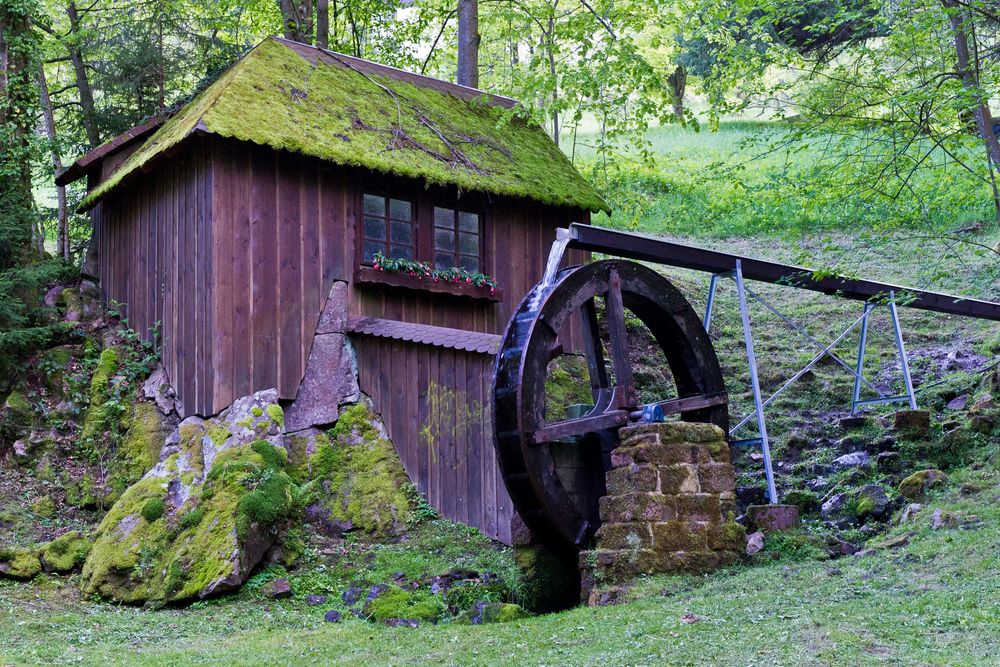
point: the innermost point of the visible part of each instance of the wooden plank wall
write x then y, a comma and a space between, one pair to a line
234, 247
154, 242
435, 404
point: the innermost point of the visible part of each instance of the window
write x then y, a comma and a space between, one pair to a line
388, 228
456, 239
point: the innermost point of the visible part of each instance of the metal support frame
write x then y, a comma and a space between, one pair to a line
763, 441
765, 446
910, 396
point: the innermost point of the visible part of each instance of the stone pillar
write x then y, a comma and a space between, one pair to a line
670, 507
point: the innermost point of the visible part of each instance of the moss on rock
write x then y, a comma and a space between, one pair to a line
139, 451
362, 475
17, 416
153, 509
19, 563
398, 603
65, 553
915, 486
199, 521
98, 415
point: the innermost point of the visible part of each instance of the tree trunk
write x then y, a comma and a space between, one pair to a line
970, 79
678, 85
290, 19
468, 43
323, 24
17, 108
62, 219
88, 115
969, 72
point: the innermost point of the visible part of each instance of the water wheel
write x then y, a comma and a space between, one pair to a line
554, 470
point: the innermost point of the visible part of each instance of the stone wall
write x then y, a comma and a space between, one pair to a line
670, 507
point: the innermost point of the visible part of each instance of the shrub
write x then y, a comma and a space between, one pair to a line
153, 509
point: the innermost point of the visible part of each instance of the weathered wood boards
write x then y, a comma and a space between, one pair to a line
233, 248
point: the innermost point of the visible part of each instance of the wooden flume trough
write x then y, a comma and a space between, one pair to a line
555, 471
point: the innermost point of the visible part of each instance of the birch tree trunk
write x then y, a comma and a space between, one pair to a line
62, 219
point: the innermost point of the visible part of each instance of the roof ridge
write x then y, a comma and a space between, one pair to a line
397, 72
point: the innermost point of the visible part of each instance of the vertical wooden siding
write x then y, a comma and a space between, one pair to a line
154, 244
234, 247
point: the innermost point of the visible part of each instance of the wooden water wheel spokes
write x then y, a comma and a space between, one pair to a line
554, 471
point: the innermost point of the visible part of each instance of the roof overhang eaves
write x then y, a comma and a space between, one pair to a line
92, 159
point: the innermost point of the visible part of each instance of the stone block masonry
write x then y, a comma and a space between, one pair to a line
670, 507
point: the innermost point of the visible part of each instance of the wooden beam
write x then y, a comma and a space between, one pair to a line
650, 249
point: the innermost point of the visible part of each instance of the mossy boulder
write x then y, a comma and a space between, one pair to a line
200, 520
395, 602
491, 612
16, 417
915, 486
358, 477
65, 553
19, 563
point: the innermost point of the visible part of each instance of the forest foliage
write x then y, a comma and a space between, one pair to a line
891, 98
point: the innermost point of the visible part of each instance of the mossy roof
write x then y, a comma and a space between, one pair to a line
353, 113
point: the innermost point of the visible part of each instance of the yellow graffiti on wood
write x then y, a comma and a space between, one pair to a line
451, 418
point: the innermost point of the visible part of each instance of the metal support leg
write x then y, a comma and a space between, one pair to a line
772, 493
902, 351
859, 369
711, 301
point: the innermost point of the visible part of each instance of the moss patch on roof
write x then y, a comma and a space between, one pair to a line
314, 103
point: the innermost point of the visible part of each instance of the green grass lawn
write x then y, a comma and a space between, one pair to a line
933, 602
753, 179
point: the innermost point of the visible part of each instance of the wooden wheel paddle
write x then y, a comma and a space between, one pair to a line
554, 471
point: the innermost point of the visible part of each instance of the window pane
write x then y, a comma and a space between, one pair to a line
372, 247
374, 205
402, 232
468, 222
443, 261
375, 228
402, 251
468, 244
444, 239
444, 217
469, 263
399, 209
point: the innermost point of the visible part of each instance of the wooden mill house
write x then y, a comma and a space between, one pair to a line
248, 226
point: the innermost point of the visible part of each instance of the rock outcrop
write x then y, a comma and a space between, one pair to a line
199, 521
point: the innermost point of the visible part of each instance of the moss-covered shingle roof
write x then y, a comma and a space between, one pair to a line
349, 112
